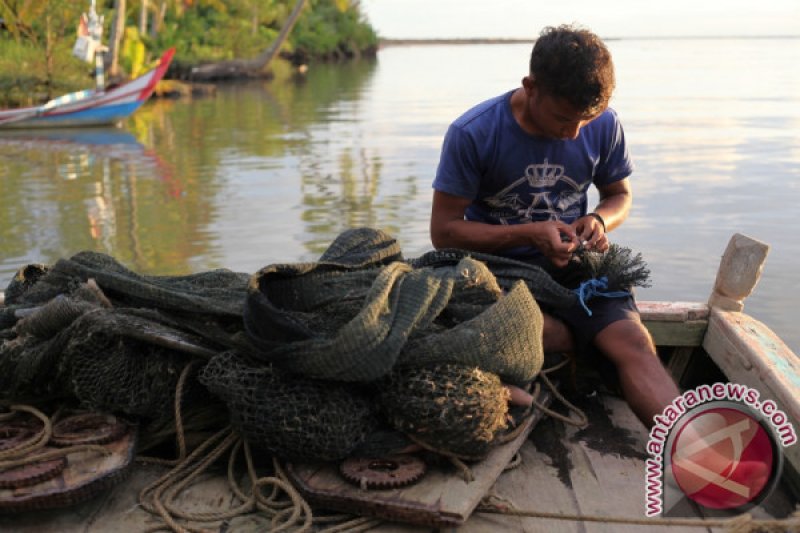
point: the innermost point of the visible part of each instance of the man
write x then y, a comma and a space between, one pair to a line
513, 180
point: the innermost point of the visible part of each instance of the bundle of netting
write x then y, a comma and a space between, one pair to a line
294, 418
89, 329
353, 319
621, 268
453, 409
96, 359
111, 371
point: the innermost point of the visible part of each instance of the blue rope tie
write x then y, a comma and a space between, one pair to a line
596, 287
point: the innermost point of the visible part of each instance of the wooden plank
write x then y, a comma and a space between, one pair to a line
688, 334
675, 323
749, 353
596, 471
672, 311
440, 498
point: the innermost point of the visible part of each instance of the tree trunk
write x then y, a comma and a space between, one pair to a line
117, 29
48, 53
158, 19
143, 19
249, 67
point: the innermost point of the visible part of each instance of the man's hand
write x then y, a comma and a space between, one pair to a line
555, 239
591, 233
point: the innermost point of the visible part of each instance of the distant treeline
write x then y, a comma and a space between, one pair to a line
39, 35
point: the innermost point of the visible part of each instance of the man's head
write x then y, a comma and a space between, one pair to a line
573, 64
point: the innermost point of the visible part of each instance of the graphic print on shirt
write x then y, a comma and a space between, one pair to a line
545, 192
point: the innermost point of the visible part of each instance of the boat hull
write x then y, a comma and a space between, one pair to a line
89, 108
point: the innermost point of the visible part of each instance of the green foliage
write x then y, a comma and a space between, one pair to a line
326, 31
206, 34
247, 27
132, 55
32, 20
24, 76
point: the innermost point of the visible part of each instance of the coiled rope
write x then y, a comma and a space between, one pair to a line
27, 452
283, 506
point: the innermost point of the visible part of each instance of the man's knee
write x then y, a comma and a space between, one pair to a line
556, 337
626, 341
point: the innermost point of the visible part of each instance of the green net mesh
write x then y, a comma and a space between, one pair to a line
329, 320
295, 351
451, 408
291, 417
89, 329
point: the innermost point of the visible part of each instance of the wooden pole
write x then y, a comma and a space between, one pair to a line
117, 29
739, 272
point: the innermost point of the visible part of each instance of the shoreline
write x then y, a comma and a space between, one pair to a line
384, 42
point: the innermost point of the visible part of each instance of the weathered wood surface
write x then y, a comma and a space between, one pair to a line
597, 471
440, 498
675, 323
739, 271
749, 353
565, 470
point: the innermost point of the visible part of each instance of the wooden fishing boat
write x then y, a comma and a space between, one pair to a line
566, 478
90, 107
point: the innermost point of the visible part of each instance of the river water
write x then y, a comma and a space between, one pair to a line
271, 172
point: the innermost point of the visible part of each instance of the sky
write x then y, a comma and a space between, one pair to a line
608, 18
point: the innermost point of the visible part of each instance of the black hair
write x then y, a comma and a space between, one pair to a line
574, 64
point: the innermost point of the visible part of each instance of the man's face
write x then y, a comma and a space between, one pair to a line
552, 116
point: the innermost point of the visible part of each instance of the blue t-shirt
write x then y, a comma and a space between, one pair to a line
513, 177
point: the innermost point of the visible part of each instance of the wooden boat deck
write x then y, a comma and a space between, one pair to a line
597, 471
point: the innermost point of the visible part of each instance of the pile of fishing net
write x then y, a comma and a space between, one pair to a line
313, 361
89, 329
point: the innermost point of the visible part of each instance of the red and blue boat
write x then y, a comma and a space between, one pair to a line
91, 107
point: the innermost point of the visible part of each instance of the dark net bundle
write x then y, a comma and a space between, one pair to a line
91, 330
333, 321
505, 338
449, 408
30, 358
294, 418
95, 361
507, 272
218, 293
29, 368
107, 368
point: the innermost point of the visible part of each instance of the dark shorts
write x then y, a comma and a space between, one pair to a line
605, 311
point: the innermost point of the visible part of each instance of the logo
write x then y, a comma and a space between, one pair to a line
717, 445
723, 458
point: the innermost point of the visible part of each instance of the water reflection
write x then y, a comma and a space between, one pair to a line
267, 172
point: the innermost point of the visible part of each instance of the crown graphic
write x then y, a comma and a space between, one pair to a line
543, 174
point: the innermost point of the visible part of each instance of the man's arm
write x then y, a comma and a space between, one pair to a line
613, 208
450, 230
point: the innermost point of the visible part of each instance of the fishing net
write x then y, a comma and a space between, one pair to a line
331, 320
622, 269
297, 352
294, 418
88, 328
450, 408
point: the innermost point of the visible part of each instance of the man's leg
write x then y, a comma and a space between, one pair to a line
555, 335
647, 386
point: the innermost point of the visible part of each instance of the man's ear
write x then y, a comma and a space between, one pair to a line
529, 83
